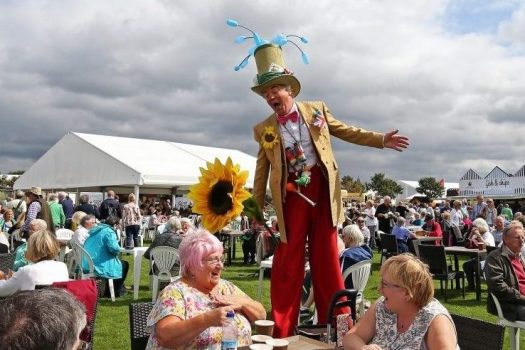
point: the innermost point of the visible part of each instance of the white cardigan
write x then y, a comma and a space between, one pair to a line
27, 277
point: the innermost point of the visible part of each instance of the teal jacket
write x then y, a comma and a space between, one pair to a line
57, 213
103, 247
20, 257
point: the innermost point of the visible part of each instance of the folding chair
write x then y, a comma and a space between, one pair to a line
388, 246
330, 332
138, 316
86, 292
435, 258
6, 261
478, 335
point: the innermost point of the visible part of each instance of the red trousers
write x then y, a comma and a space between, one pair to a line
302, 221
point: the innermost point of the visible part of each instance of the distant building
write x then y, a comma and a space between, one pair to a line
497, 184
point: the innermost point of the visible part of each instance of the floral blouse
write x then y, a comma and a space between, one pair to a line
387, 336
181, 300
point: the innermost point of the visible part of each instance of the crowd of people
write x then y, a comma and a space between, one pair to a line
407, 307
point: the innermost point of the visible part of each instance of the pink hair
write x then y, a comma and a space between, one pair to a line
197, 245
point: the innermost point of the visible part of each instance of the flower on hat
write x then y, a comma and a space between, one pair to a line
269, 138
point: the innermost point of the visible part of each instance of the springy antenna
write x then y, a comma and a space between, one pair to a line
280, 40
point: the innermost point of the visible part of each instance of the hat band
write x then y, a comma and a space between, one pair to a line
265, 77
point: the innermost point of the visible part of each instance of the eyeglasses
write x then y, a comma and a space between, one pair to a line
383, 284
215, 260
521, 238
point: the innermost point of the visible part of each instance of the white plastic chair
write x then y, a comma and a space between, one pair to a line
78, 253
63, 235
360, 273
164, 258
513, 326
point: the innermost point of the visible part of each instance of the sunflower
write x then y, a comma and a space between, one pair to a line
219, 194
269, 138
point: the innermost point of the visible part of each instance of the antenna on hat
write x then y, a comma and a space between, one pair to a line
280, 40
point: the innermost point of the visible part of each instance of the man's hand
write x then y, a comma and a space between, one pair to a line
394, 141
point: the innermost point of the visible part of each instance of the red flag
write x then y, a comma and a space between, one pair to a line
442, 183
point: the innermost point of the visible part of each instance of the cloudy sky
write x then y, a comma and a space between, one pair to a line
448, 74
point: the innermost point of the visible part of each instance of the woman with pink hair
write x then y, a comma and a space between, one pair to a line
190, 312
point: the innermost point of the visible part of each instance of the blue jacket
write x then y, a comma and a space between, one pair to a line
103, 247
351, 256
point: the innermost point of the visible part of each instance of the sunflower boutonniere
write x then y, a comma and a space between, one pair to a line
269, 138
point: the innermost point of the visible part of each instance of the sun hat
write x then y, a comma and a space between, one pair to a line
36, 191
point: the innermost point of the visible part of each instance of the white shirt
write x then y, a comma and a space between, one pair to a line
306, 140
489, 239
3, 239
27, 277
80, 235
370, 219
456, 216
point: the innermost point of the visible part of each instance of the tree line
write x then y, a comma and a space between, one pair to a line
384, 186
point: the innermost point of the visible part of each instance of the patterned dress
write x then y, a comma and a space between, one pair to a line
387, 336
181, 300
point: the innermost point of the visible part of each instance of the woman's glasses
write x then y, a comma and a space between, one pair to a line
215, 260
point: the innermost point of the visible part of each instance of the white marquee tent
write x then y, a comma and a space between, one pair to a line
93, 163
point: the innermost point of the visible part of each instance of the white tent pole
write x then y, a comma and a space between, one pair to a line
136, 191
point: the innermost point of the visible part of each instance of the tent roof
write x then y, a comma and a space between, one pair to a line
88, 161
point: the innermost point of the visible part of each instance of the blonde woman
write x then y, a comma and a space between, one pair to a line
407, 316
42, 248
75, 220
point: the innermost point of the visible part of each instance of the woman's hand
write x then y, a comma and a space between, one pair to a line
218, 317
236, 302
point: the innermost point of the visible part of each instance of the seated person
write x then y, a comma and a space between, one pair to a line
505, 274
49, 318
417, 220
432, 227
75, 220
170, 238
42, 248
103, 247
364, 230
355, 250
82, 232
403, 235
479, 233
189, 312
407, 316
20, 252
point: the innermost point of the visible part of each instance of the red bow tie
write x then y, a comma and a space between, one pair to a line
282, 119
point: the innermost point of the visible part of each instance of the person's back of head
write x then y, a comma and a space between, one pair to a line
49, 318
42, 245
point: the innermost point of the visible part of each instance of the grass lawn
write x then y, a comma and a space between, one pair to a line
112, 324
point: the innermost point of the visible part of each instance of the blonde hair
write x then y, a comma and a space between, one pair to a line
412, 274
131, 198
75, 219
42, 245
